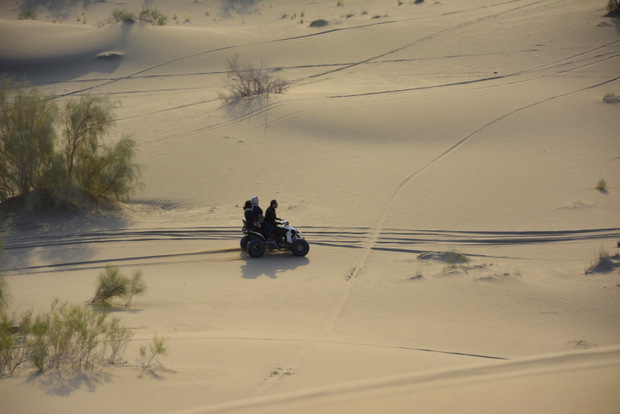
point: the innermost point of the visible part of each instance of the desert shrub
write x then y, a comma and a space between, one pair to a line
27, 136
67, 336
111, 283
95, 170
36, 169
13, 350
136, 287
245, 80
5, 296
237, 6
123, 15
603, 262
452, 257
601, 185
157, 348
613, 7
152, 15
27, 14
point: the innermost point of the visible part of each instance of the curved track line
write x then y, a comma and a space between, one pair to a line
374, 235
426, 38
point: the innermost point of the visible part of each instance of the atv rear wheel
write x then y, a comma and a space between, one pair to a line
256, 247
244, 242
300, 247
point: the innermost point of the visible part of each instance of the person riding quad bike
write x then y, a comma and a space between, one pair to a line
258, 237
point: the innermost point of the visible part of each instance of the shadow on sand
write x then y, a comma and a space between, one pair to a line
65, 382
271, 265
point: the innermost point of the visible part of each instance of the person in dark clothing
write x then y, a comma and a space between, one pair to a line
272, 221
257, 213
248, 214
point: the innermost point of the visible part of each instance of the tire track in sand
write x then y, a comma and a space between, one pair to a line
375, 231
294, 359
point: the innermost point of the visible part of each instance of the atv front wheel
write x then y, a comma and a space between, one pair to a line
300, 247
256, 247
244, 242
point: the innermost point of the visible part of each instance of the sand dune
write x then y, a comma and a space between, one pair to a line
407, 131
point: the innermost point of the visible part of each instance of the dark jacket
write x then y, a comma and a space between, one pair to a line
270, 216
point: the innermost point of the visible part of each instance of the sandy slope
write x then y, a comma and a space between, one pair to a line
477, 126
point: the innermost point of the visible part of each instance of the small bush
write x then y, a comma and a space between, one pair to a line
5, 296
602, 258
13, 350
601, 185
27, 14
245, 80
111, 284
452, 257
67, 336
157, 348
123, 15
152, 15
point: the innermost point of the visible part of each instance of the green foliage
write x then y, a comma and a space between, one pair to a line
67, 336
27, 14
94, 169
613, 7
13, 352
452, 257
136, 287
147, 14
37, 169
601, 185
245, 80
123, 15
156, 348
237, 6
152, 15
111, 283
5, 296
27, 137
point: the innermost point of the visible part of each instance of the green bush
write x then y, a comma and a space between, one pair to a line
452, 257
245, 80
5, 296
152, 15
67, 336
111, 284
27, 14
13, 350
156, 348
123, 15
27, 137
601, 185
37, 169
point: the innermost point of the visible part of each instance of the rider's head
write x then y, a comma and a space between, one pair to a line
274, 204
248, 204
254, 201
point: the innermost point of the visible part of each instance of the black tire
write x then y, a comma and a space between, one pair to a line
256, 247
244, 242
300, 247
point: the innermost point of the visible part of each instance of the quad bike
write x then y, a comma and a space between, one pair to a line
255, 242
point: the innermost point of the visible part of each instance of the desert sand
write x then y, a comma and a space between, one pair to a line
407, 131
